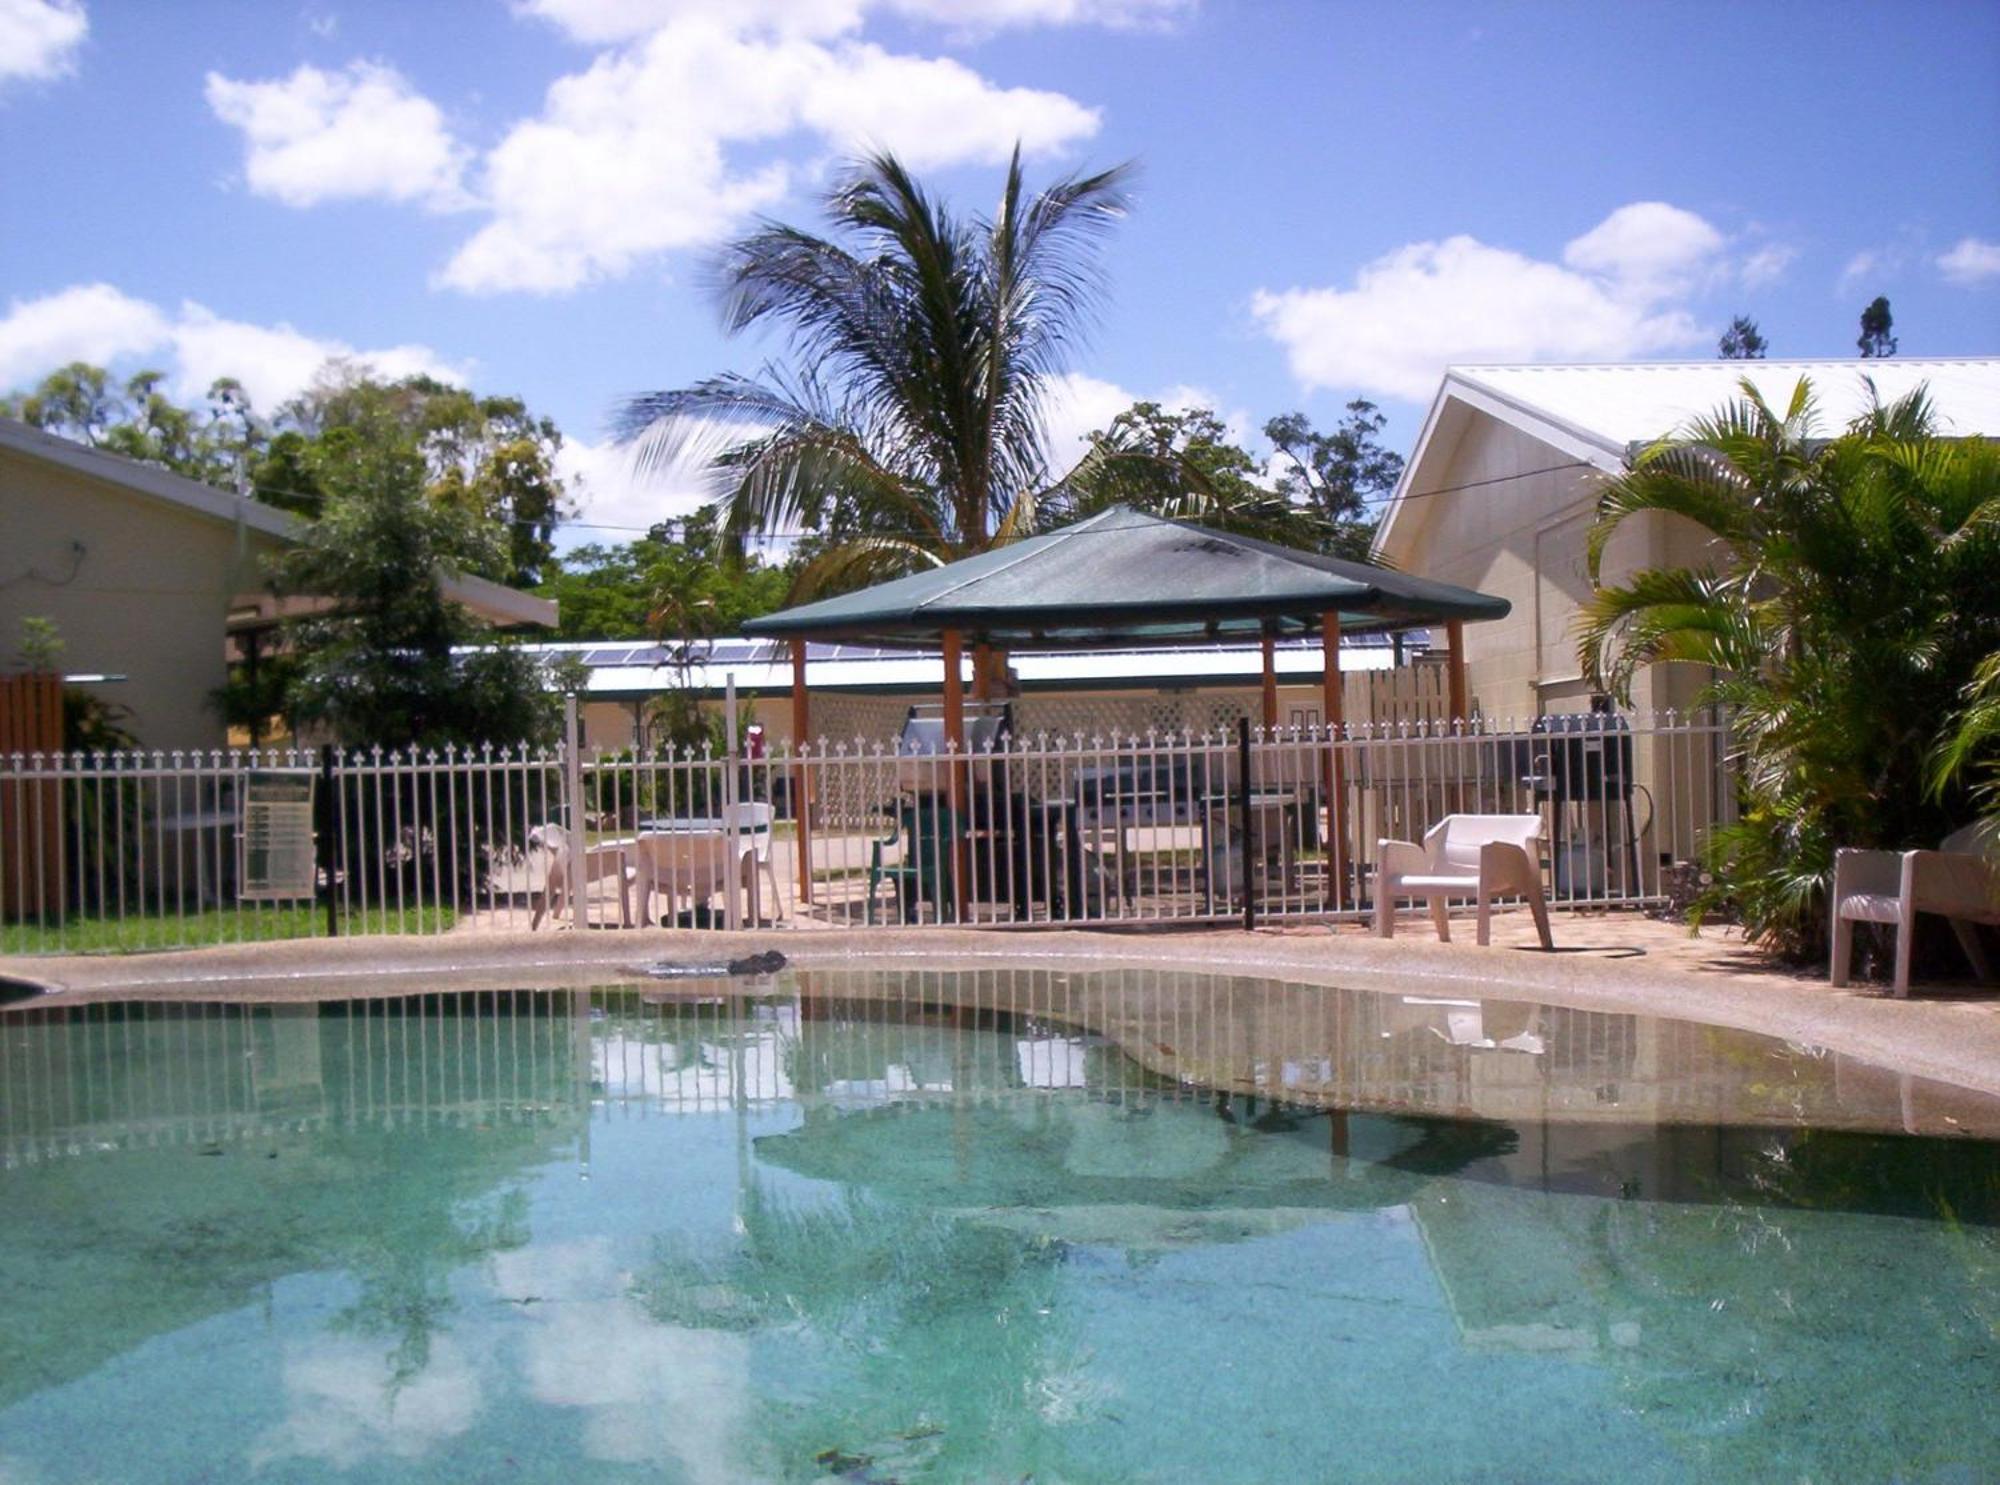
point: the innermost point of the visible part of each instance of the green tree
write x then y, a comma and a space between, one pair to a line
1968, 755
1742, 341
378, 666
487, 456
910, 430
1337, 473
1876, 325
1849, 613
1181, 465
636, 590
213, 443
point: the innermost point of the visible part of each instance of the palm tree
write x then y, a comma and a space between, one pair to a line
910, 431
1846, 612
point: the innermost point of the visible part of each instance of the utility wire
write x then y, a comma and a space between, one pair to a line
783, 535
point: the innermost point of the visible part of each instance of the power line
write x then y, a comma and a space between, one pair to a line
782, 535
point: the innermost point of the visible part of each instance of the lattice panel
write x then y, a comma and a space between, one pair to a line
1133, 712
841, 718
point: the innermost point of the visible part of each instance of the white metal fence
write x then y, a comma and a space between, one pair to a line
133, 851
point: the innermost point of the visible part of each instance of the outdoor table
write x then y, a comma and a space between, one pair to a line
687, 870
706, 826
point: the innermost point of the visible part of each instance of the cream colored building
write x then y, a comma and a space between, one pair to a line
142, 571
1499, 494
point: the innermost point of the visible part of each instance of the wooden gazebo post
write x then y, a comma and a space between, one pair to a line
1270, 682
956, 779
982, 672
1333, 705
1455, 636
801, 780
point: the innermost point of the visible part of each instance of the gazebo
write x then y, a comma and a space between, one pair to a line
1125, 577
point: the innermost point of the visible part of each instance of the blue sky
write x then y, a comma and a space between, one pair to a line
1336, 200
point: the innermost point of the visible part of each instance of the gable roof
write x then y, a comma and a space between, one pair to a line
1596, 414
494, 602
146, 479
1122, 576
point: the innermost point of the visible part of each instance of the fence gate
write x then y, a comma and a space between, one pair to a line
31, 834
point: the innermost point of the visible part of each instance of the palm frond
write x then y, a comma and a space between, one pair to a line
1671, 614
859, 563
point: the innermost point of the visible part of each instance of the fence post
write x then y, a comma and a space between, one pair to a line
579, 893
732, 910
1243, 804
325, 848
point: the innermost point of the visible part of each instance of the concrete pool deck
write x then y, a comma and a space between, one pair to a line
1604, 962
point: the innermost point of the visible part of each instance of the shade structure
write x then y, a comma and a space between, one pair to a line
1123, 577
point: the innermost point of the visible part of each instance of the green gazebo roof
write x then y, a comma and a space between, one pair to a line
1121, 577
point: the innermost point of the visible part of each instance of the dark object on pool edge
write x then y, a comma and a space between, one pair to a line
12, 990
767, 963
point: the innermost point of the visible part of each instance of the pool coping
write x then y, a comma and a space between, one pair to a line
1955, 1041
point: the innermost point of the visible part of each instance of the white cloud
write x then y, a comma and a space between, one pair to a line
1427, 305
102, 325
1648, 248
39, 38
932, 111
344, 1409
275, 362
628, 158
1858, 267
90, 322
598, 22
604, 22
1766, 265
1972, 261
1076, 407
331, 136
615, 501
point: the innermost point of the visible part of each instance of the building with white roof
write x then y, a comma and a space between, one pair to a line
1499, 493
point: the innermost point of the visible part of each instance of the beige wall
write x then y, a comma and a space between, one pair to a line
147, 597
1525, 539
1521, 534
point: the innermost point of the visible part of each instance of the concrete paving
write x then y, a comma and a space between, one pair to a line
1604, 961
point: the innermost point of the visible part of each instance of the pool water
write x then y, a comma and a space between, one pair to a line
998, 1225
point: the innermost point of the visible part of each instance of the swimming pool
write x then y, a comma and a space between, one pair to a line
892, 1224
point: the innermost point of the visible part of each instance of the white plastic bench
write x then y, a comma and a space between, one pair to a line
1476, 856
1960, 883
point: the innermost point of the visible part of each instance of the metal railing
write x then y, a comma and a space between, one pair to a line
152, 850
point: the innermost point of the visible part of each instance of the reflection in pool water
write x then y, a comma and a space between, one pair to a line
989, 1226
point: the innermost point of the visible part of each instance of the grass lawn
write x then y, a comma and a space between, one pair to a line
215, 926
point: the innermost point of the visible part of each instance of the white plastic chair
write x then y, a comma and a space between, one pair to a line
608, 859
1476, 856
749, 824
1960, 883
692, 866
